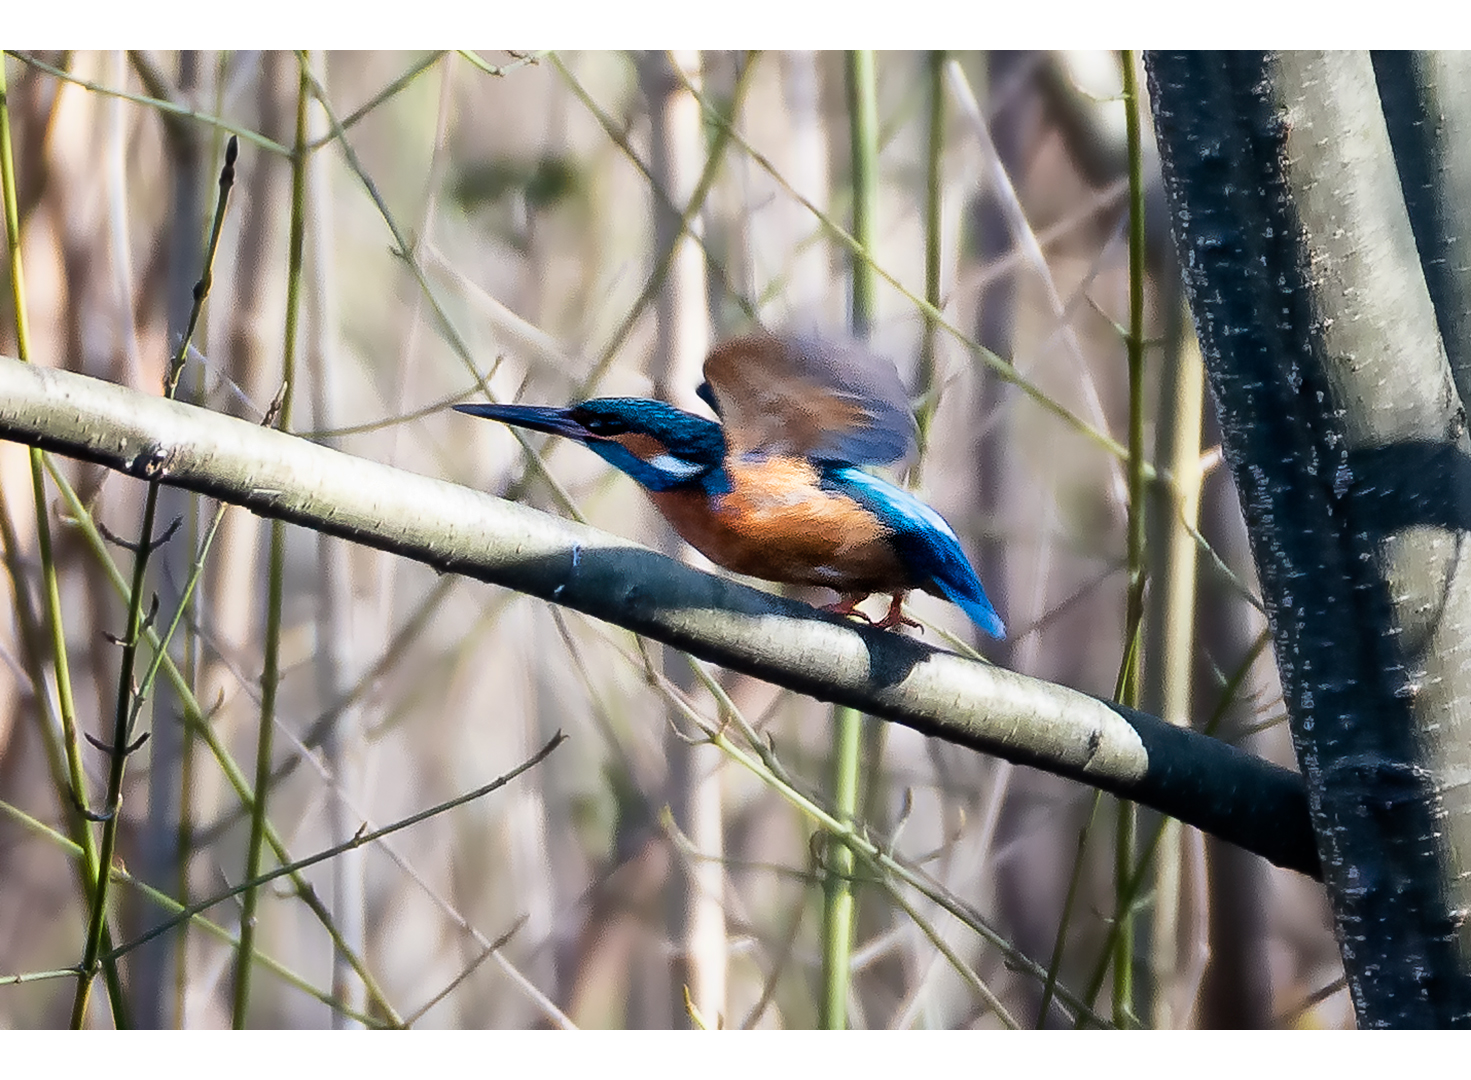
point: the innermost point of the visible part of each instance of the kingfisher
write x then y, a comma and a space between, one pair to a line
776, 489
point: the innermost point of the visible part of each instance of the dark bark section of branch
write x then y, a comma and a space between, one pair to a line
1203, 782
1347, 442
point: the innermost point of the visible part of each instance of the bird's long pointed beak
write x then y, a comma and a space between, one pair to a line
536, 417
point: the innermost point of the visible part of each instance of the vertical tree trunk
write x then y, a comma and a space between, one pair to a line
1347, 438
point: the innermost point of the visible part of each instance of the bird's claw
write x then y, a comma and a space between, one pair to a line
893, 619
896, 618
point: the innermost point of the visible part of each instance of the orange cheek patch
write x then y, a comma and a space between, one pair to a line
644, 447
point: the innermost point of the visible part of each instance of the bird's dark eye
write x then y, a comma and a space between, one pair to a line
603, 425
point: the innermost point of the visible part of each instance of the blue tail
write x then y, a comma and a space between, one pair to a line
926, 543
970, 597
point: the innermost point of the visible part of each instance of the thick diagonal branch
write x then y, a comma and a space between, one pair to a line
1199, 780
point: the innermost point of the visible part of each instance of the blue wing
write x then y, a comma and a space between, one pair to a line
926, 543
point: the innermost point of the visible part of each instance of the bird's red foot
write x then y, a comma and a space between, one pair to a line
895, 616
893, 619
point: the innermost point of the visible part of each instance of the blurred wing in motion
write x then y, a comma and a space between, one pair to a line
829, 399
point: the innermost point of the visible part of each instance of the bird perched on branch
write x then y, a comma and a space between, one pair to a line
775, 491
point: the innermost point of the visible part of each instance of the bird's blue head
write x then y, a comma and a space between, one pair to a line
658, 445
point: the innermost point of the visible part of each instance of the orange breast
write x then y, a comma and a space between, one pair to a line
776, 523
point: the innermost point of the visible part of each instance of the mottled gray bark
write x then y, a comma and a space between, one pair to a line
1346, 436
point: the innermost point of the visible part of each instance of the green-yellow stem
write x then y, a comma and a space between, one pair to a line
1123, 961
838, 900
